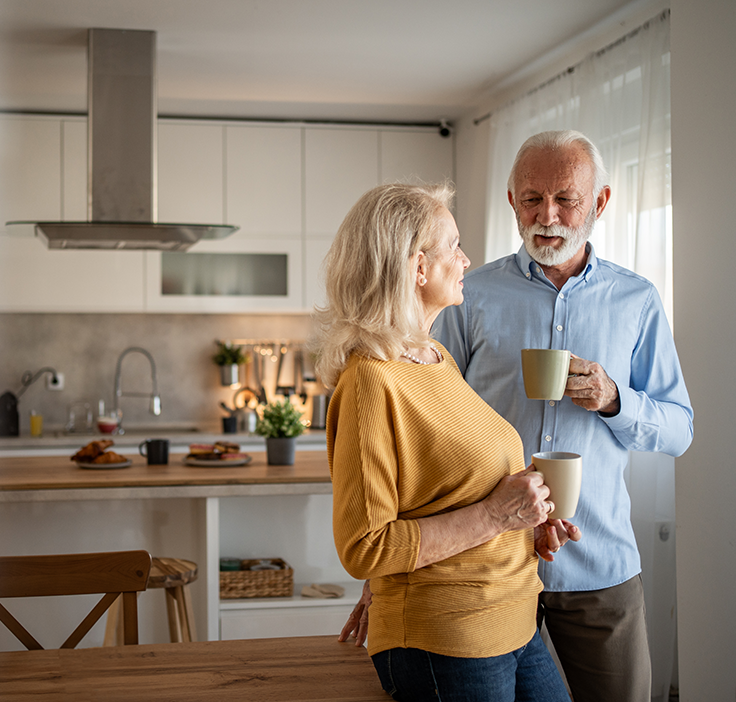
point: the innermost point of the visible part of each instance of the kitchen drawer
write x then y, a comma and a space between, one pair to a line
272, 623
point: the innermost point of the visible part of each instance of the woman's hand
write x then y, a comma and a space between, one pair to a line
552, 535
519, 501
357, 623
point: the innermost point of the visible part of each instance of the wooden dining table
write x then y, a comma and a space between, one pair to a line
298, 669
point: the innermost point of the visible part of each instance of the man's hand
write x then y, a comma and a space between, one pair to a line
357, 623
553, 535
591, 388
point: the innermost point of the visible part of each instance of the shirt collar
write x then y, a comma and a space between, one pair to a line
528, 266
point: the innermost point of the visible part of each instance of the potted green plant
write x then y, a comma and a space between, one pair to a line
229, 357
280, 423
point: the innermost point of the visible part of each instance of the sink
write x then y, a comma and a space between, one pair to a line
160, 429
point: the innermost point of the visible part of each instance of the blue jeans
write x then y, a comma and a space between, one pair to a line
525, 675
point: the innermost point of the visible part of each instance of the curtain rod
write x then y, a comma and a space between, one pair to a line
660, 17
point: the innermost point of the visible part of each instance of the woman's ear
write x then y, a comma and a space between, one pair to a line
422, 265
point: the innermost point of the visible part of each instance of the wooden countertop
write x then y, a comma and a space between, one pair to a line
257, 670
60, 473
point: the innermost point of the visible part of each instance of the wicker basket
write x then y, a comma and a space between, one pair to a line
257, 583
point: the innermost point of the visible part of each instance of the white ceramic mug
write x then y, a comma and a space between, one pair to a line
563, 474
545, 373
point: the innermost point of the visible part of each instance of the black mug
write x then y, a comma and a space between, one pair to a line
157, 451
230, 425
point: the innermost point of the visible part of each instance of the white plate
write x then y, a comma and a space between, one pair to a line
218, 462
104, 466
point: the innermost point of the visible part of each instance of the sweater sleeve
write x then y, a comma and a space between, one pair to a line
371, 538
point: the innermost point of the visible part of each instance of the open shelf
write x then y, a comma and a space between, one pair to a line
353, 590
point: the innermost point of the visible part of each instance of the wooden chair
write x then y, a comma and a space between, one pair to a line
117, 573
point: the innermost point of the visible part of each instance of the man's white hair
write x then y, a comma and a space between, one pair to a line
561, 140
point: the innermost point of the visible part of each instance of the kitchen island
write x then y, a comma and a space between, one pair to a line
49, 505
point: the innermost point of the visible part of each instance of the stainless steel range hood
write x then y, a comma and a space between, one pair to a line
122, 171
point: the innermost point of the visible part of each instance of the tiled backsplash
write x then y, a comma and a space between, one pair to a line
85, 348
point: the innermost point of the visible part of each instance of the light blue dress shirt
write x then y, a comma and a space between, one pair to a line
606, 314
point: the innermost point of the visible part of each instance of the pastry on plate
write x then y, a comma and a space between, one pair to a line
110, 457
214, 452
88, 453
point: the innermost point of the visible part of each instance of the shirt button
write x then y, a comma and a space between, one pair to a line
559, 327
551, 403
528, 275
562, 296
539, 270
548, 438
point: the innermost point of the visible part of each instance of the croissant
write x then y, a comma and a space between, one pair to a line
110, 457
92, 450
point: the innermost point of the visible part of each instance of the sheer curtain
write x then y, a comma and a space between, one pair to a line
619, 97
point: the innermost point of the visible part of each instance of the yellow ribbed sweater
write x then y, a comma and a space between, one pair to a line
407, 441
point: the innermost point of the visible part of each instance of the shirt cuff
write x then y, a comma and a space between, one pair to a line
624, 418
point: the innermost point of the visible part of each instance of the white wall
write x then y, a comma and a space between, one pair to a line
703, 77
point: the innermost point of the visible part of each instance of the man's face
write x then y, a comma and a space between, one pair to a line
554, 203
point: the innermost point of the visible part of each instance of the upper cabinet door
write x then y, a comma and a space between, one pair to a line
190, 173
416, 157
340, 165
264, 180
30, 169
74, 169
35, 153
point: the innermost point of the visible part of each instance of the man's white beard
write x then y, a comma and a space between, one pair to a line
573, 239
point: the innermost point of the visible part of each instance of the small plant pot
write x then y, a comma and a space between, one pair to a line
230, 374
281, 451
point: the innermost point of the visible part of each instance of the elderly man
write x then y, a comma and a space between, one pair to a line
627, 394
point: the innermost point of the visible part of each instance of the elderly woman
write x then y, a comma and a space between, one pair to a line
432, 501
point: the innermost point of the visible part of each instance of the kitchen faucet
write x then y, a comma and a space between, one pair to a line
155, 406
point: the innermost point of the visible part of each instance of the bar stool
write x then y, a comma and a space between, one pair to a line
174, 575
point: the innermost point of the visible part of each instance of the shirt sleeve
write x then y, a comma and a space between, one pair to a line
371, 538
656, 414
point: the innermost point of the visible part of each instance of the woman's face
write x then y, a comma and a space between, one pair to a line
445, 272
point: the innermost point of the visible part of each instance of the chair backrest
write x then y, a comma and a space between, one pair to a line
116, 574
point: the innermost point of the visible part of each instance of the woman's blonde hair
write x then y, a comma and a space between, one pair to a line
372, 306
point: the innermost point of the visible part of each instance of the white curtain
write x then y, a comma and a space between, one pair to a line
620, 98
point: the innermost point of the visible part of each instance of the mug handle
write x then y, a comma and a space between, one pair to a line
140, 448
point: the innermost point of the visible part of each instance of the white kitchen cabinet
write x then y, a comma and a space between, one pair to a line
74, 169
264, 180
416, 156
298, 529
340, 164
409, 155
190, 173
249, 176
288, 188
217, 294
30, 168
273, 617
315, 251
43, 176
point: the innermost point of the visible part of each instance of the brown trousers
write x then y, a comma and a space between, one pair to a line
600, 637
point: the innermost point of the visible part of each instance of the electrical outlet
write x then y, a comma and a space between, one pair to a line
58, 385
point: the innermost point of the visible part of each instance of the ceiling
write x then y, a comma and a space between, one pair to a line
365, 60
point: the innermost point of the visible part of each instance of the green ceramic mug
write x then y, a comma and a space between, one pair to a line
545, 373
